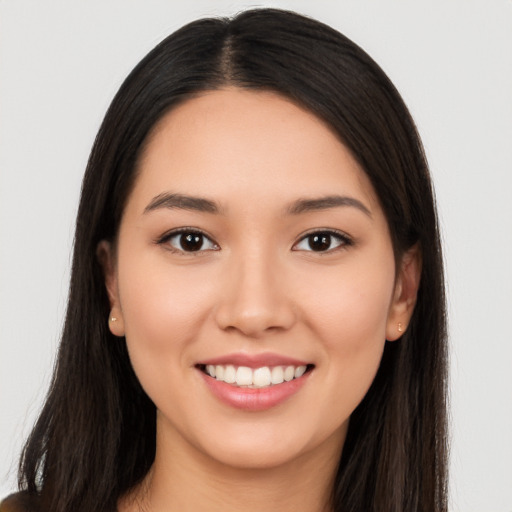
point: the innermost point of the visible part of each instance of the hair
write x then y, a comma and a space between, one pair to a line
95, 437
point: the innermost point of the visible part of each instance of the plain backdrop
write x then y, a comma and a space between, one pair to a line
61, 63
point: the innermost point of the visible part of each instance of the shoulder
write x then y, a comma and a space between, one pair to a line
19, 502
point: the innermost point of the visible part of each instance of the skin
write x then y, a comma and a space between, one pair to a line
256, 287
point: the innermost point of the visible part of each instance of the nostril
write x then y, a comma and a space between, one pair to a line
254, 304
255, 322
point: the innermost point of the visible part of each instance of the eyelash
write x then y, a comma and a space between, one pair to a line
165, 240
330, 234
344, 240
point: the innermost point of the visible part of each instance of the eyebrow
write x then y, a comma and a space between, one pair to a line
183, 202
325, 203
201, 204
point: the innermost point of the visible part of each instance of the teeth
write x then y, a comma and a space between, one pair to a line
289, 373
243, 376
219, 372
277, 375
262, 377
257, 377
229, 374
299, 371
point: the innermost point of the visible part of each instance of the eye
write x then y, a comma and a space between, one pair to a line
188, 240
322, 241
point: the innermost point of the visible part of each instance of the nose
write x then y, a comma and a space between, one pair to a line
255, 298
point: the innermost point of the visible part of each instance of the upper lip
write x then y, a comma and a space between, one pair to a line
254, 360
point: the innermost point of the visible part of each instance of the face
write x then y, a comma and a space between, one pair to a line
254, 280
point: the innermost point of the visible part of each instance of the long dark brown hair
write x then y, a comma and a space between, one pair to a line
95, 437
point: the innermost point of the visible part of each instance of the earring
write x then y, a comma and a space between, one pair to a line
400, 328
113, 319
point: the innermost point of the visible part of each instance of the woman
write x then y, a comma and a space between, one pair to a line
256, 311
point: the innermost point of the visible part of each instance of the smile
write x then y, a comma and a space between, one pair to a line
256, 383
262, 377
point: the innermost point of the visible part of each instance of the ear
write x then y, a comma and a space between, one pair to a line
404, 297
107, 259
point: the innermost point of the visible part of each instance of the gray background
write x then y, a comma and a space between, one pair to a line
62, 61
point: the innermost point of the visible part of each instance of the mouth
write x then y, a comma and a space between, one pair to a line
254, 378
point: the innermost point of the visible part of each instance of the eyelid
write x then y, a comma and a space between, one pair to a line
164, 239
346, 240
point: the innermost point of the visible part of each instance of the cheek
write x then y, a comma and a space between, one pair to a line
351, 308
349, 315
162, 308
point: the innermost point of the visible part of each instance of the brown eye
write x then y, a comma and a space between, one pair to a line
189, 241
319, 242
322, 241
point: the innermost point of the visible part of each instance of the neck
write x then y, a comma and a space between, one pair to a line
183, 479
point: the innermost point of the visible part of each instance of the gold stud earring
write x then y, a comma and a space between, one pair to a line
400, 328
113, 319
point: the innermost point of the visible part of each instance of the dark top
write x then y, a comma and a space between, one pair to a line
19, 502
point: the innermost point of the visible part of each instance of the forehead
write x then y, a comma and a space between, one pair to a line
252, 143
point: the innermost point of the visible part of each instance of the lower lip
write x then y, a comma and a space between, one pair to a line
254, 399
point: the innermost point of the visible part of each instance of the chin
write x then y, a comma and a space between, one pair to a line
257, 447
